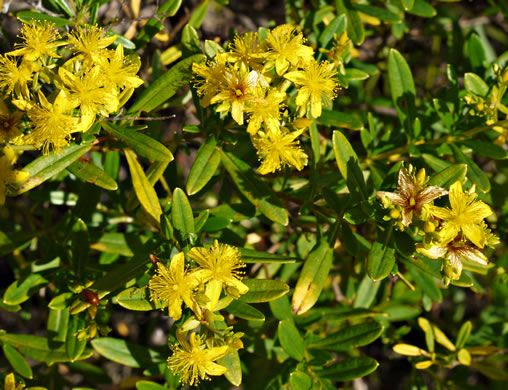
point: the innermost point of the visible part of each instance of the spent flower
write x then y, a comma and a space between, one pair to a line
412, 193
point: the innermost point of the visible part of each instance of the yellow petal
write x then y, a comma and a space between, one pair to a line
475, 233
213, 291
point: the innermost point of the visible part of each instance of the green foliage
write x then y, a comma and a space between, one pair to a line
292, 217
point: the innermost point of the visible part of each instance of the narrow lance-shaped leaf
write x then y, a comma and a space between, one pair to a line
45, 167
403, 90
474, 172
181, 213
204, 166
381, 258
312, 277
291, 340
263, 290
348, 164
126, 353
80, 247
258, 192
144, 191
90, 173
351, 336
143, 144
17, 361
350, 368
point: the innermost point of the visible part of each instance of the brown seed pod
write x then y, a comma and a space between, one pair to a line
154, 259
91, 297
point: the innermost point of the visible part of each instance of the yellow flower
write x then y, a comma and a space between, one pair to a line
90, 41
287, 48
39, 39
236, 90
14, 78
8, 175
277, 148
247, 52
10, 383
453, 253
9, 124
212, 75
89, 90
466, 215
118, 71
316, 86
265, 109
411, 193
195, 361
219, 266
52, 123
172, 286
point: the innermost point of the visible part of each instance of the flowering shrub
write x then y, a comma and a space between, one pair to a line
284, 208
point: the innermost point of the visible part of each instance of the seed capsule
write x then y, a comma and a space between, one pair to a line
91, 297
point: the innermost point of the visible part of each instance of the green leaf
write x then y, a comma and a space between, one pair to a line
487, 149
312, 277
17, 361
232, 362
58, 321
37, 348
61, 301
436, 163
198, 16
464, 332
136, 298
80, 247
21, 290
340, 119
474, 172
426, 283
448, 176
403, 89
408, 4
263, 290
148, 385
475, 85
243, 310
366, 293
348, 369
126, 353
144, 191
45, 167
143, 144
336, 27
253, 256
476, 52
423, 9
350, 337
73, 345
348, 164
291, 340
181, 213
299, 381
355, 29
206, 163
258, 192
28, 16
377, 12
166, 85
88, 172
190, 41
65, 7
381, 259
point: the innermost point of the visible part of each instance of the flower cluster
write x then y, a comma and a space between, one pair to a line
216, 270
454, 234
56, 86
250, 81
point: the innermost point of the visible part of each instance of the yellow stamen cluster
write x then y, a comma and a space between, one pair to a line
76, 89
251, 81
218, 271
